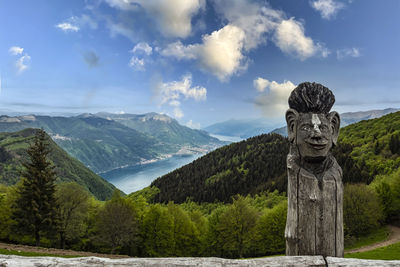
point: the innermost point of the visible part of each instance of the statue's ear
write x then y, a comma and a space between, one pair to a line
334, 118
291, 119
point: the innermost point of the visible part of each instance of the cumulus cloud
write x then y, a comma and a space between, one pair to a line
348, 52
137, 63
15, 50
74, 23
180, 51
274, 101
91, 59
22, 63
142, 47
220, 52
290, 38
173, 17
255, 20
327, 8
260, 84
171, 93
249, 25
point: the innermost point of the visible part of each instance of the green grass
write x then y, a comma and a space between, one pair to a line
380, 234
33, 254
391, 252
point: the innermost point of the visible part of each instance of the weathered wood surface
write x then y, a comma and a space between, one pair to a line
8, 260
315, 215
338, 262
315, 261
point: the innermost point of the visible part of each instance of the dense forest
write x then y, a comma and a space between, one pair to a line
13, 147
248, 167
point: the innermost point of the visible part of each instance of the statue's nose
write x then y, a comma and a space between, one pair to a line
316, 133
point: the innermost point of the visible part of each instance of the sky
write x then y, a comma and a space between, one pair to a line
198, 61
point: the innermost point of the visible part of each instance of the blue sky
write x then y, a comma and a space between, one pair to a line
199, 61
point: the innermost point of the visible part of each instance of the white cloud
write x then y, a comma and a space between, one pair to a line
173, 17
255, 20
274, 102
223, 52
290, 38
220, 52
23, 63
74, 23
68, 27
348, 52
142, 47
179, 51
193, 125
15, 50
137, 63
327, 8
170, 93
260, 84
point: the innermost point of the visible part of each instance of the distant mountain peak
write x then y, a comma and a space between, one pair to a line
156, 117
86, 115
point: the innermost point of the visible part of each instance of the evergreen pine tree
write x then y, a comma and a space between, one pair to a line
35, 207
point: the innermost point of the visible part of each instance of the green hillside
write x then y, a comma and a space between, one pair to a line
252, 166
13, 151
372, 146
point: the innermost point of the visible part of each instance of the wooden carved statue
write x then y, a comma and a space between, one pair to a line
315, 191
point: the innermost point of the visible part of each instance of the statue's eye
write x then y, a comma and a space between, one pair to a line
323, 128
306, 127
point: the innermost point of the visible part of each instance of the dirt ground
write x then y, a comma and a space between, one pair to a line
394, 237
58, 251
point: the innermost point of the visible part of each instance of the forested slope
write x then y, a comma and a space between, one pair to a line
365, 149
13, 148
251, 166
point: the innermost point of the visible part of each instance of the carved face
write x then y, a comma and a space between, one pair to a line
314, 136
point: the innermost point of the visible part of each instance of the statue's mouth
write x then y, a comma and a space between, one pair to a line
317, 146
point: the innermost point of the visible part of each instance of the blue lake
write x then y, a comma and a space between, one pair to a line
134, 178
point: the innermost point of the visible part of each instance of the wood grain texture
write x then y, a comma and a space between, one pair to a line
315, 211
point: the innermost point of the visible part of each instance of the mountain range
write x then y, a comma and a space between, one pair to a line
13, 147
106, 141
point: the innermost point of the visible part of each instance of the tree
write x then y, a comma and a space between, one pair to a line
270, 230
35, 206
236, 226
116, 222
186, 235
362, 210
73, 204
157, 232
